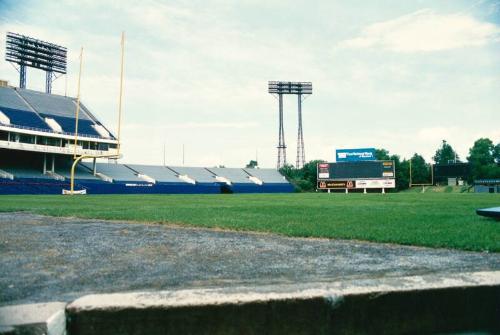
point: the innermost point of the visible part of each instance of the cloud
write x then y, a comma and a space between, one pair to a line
437, 133
425, 31
197, 76
195, 125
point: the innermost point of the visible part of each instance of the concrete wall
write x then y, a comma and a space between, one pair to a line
417, 305
467, 303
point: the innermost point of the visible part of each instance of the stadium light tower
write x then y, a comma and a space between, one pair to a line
302, 90
29, 52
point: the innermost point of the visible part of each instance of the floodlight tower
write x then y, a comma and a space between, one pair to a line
302, 90
29, 52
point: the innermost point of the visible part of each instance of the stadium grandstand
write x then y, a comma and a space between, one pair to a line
37, 148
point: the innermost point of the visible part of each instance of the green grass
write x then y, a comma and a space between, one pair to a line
438, 189
429, 219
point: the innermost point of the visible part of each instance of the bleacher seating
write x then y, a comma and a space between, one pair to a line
119, 172
199, 174
82, 172
68, 125
61, 109
21, 165
25, 172
160, 174
267, 175
52, 104
32, 181
24, 169
235, 176
24, 118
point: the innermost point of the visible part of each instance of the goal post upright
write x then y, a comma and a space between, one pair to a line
111, 156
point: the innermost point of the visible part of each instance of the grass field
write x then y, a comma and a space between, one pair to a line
433, 219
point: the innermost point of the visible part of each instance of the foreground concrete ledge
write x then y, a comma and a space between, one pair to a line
417, 304
34, 319
240, 295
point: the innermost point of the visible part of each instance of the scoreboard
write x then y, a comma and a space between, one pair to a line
356, 175
452, 170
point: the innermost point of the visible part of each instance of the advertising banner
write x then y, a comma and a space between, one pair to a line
355, 155
375, 183
388, 169
336, 184
323, 171
356, 184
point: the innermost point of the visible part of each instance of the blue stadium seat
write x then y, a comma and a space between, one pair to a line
24, 118
68, 125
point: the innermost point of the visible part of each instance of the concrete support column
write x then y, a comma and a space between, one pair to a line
44, 163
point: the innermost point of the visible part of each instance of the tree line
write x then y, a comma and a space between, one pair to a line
483, 163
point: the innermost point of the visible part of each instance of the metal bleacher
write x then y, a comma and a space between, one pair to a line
234, 175
119, 172
199, 174
267, 175
160, 174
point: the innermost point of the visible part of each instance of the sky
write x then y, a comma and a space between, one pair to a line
399, 75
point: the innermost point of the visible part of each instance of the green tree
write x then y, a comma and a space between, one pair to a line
420, 170
483, 159
252, 164
496, 153
304, 179
382, 154
288, 171
445, 154
402, 172
310, 172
